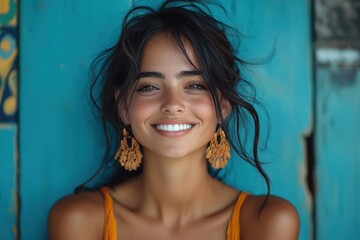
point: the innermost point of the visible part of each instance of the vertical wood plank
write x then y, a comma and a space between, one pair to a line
284, 86
8, 120
60, 146
338, 154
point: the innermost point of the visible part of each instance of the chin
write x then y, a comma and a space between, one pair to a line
181, 153
174, 155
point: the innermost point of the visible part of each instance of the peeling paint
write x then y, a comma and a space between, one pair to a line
329, 55
342, 64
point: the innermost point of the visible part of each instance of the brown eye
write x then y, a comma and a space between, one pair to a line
196, 86
147, 88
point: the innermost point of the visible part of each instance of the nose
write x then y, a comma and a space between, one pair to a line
173, 102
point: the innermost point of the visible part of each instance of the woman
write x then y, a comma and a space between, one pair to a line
169, 87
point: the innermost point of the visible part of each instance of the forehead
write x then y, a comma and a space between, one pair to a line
162, 49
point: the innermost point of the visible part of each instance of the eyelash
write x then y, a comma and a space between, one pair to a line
196, 86
191, 86
147, 88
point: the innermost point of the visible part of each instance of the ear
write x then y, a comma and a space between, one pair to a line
225, 107
121, 108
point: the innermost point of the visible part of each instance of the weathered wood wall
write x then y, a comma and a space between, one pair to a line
337, 111
58, 142
61, 146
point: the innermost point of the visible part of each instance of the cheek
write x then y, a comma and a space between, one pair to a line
140, 109
204, 108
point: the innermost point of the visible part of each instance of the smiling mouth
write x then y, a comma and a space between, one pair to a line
173, 127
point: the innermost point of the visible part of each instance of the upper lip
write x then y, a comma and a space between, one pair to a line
172, 121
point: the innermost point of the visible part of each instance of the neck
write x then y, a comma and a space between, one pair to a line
175, 189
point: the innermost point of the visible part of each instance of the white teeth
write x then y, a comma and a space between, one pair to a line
173, 127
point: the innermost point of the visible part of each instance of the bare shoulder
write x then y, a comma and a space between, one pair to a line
77, 216
278, 219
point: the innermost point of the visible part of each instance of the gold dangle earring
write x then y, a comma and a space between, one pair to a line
218, 151
129, 156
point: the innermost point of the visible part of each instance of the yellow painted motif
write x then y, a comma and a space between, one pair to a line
8, 7
4, 6
13, 21
5, 45
10, 103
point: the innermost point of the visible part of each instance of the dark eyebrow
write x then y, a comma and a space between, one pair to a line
189, 73
151, 74
162, 76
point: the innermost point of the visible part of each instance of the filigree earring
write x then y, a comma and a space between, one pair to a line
218, 151
129, 155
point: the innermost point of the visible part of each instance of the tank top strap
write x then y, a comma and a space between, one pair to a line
233, 229
109, 220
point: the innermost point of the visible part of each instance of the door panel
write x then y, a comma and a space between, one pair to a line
61, 144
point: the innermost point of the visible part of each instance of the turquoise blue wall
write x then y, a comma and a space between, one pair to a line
61, 145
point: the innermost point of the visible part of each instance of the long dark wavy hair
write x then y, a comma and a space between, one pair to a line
117, 70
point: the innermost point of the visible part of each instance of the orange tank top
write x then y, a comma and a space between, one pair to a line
232, 233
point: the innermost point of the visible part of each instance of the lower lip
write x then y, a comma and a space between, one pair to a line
173, 134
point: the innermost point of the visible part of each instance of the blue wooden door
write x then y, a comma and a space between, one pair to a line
337, 125
338, 166
60, 142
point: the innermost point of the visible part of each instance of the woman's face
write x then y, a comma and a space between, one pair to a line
171, 114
